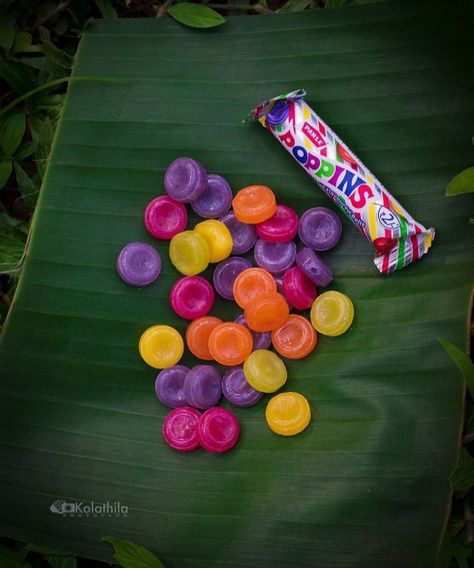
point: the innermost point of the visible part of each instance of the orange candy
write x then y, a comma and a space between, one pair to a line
266, 312
197, 336
294, 339
230, 343
252, 282
254, 204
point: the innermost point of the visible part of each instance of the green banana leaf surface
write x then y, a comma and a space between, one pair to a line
367, 484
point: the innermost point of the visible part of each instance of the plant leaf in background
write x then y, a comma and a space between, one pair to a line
369, 478
12, 130
130, 555
106, 8
6, 168
195, 15
11, 252
462, 183
294, 6
462, 477
462, 361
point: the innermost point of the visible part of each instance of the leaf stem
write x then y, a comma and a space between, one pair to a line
33, 92
162, 9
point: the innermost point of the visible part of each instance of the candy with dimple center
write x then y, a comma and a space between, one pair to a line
225, 274
298, 288
295, 339
230, 343
237, 390
192, 297
266, 312
265, 371
243, 234
261, 339
251, 283
189, 253
274, 257
165, 217
180, 429
197, 336
203, 386
218, 430
332, 313
169, 385
161, 346
281, 227
314, 267
288, 413
215, 200
218, 238
320, 228
185, 179
254, 204
138, 264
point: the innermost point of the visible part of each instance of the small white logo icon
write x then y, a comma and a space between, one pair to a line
81, 509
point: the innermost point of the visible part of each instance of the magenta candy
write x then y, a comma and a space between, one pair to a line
203, 386
314, 268
165, 217
185, 179
261, 339
298, 288
138, 264
192, 297
237, 389
215, 200
320, 228
169, 385
218, 430
243, 235
180, 429
281, 227
225, 274
279, 283
274, 257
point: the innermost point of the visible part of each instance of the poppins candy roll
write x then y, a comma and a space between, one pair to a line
398, 239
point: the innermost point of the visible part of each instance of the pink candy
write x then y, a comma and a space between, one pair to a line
298, 288
281, 227
180, 428
192, 297
165, 217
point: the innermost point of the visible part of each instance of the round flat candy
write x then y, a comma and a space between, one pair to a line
138, 264
161, 346
218, 238
225, 274
169, 386
243, 234
185, 179
215, 200
254, 204
298, 288
197, 336
230, 343
281, 227
180, 429
332, 313
189, 253
265, 371
218, 430
237, 389
192, 297
314, 268
266, 312
274, 257
279, 113
165, 217
203, 386
261, 340
295, 339
320, 228
288, 413
252, 282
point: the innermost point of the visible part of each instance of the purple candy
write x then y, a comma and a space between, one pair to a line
237, 390
169, 386
243, 235
279, 113
138, 264
215, 200
261, 340
274, 257
314, 268
320, 228
225, 274
185, 179
203, 386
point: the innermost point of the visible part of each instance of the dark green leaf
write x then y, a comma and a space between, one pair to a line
61, 561
462, 183
12, 130
336, 3
106, 8
55, 54
23, 43
40, 549
16, 74
29, 190
8, 557
294, 6
7, 28
25, 150
5, 172
195, 15
11, 253
462, 361
130, 555
462, 477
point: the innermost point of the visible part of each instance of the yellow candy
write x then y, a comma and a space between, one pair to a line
189, 253
332, 313
218, 238
161, 346
288, 413
265, 371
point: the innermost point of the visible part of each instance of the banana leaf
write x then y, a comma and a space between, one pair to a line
367, 484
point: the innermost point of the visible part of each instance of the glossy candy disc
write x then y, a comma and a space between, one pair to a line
180, 429
288, 413
185, 179
332, 313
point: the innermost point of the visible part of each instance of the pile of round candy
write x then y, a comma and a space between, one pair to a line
283, 280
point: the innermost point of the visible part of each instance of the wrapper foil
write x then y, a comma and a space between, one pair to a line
398, 239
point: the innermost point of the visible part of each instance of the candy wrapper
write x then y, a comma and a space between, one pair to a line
398, 239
